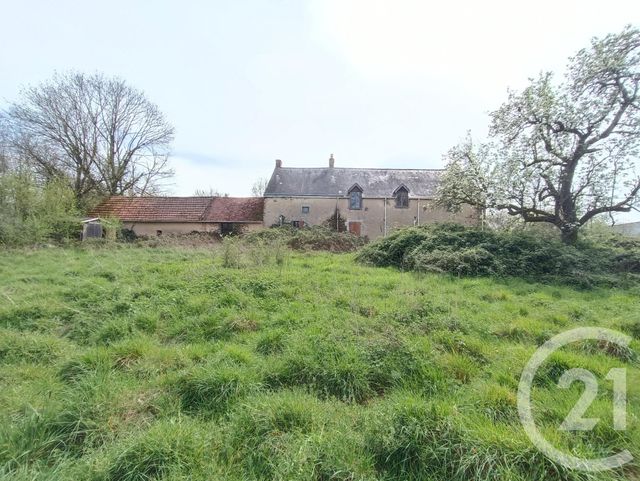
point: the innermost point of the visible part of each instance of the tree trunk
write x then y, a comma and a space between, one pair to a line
569, 234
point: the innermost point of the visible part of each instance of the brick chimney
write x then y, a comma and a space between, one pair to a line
278, 163
332, 162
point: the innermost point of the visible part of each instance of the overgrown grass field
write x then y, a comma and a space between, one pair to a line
132, 363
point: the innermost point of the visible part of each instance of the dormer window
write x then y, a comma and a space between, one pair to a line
355, 197
402, 197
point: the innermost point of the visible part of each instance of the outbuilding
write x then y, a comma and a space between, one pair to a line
156, 216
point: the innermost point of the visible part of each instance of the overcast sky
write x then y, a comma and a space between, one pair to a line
378, 83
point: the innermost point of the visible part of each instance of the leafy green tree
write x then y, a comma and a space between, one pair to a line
30, 213
560, 152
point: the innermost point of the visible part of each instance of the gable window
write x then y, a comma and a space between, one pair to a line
402, 197
305, 209
355, 198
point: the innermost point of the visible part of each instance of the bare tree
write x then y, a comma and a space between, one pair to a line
258, 187
106, 137
560, 153
210, 192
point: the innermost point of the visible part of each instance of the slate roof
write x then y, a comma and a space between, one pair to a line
336, 182
181, 209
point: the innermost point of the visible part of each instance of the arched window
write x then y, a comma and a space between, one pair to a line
402, 197
355, 197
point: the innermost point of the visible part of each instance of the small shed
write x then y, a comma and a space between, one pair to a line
155, 216
92, 229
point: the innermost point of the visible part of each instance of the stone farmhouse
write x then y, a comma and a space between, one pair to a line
371, 202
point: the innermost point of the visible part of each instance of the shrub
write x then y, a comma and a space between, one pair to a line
31, 213
336, 222
474, 261
468, 251
309, 238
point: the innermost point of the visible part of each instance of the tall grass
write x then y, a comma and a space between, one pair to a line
137, 363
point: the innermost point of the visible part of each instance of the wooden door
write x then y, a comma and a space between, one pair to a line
354, 227
226, 228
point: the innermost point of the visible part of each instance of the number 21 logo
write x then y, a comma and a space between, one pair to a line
575, 420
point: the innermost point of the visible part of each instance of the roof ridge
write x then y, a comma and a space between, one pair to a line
361, 168
134, 197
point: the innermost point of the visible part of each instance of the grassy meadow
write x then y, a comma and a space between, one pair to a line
139, 363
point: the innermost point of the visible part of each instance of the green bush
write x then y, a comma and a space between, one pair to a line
316, 238
31, 213
474, 261
468, 251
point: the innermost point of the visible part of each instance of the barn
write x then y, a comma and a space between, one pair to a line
155, 216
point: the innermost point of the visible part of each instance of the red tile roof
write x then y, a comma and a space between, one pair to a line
235, 209
181, 209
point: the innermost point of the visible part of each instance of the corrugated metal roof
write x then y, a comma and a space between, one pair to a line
336, 182
181, 209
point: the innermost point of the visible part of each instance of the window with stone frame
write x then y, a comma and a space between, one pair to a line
355, 198
402, 198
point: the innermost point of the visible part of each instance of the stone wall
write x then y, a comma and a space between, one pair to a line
176, 228
372, 215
